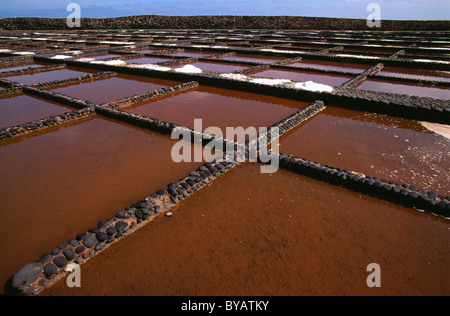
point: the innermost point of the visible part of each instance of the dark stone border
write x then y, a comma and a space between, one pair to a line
152, 124
51, 267
31, 70
403, 194
11, 92
75, 80
353, 83
130, 101
58, 97
54, 120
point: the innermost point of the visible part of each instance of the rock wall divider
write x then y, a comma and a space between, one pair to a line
31, 70
403, 194
52, 267
70, 81
167, 91
38, 125
353, 83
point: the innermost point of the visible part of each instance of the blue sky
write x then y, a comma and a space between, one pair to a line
390, 9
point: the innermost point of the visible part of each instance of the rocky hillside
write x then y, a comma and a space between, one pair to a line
219, 22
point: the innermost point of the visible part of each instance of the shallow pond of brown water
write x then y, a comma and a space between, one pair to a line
112, 89
220, 108
436, 92
253, 234
392, 148
62, 183
22, 109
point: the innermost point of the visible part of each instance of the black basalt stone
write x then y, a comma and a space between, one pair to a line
62, 246
144, 204
138, 214
101, 236
432, 195
60, 262
90, 241
122, 215
185, 185
45, 258
55, 251
27, 275
120, 226
50, 270
74, 243
112, 230
81, 236
413, 195
79, 250
161, 192
94, 230
69, 254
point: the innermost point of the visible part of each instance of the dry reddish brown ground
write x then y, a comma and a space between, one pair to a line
281, 234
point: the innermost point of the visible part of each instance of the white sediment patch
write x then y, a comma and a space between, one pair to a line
357, 56
432, 61
150, 66
117, 43
440, 129
313, 86
235, 77
109, 62
189, 69
61, 57
23, 53
5, 51
85, 60
270, 82
281, 51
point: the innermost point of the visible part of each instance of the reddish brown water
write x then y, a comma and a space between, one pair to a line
327, 65
332, 80
212, 66
47, 76
220, 108
391, 148
193, 54
149, 60
255, 234
22, 109
258, 59
112, 89
61, 183
405, 88
416, 73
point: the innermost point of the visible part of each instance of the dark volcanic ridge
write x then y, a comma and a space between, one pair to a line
220, 22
